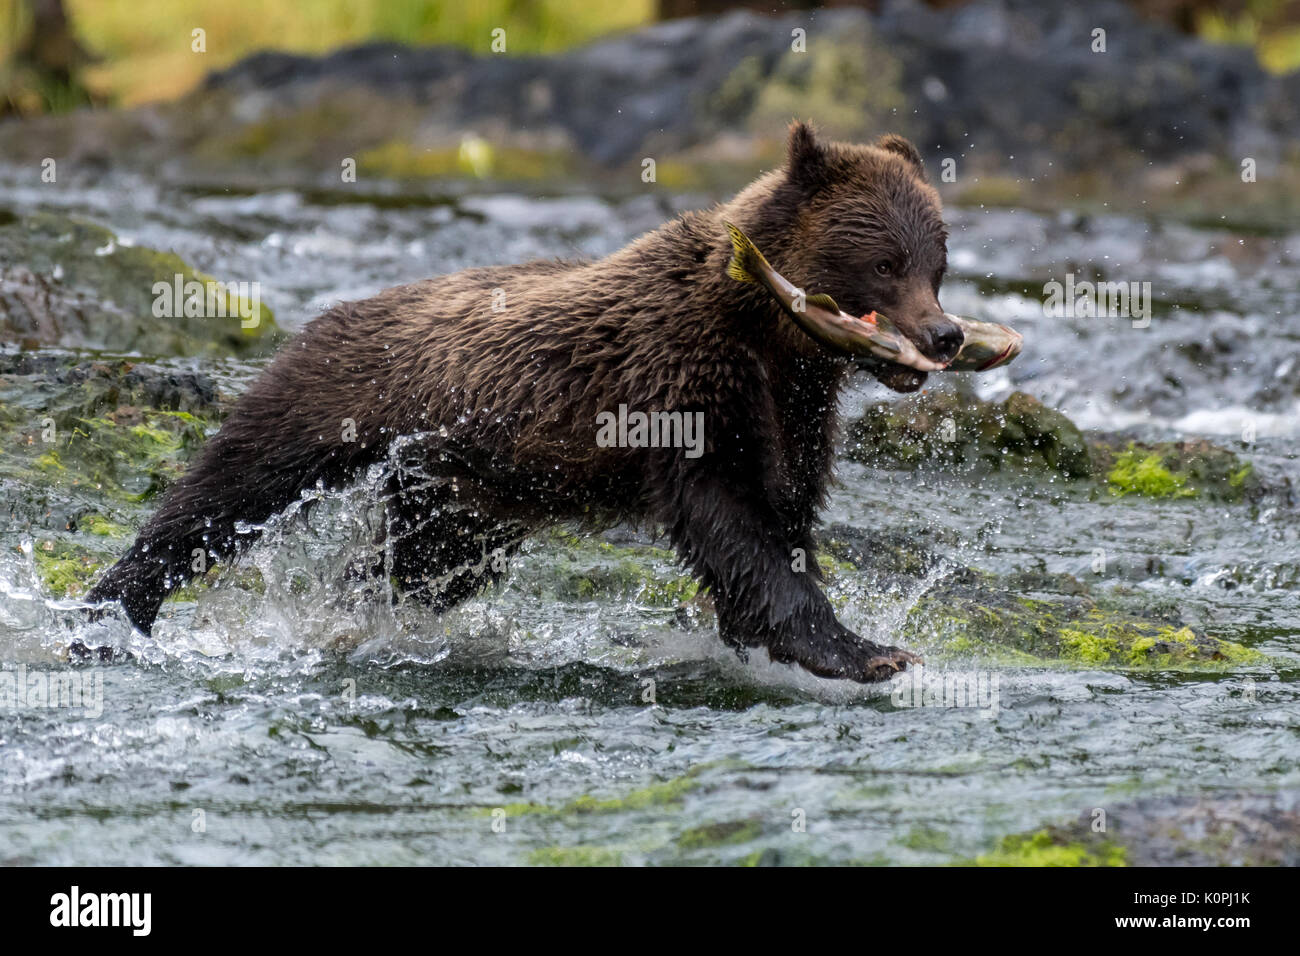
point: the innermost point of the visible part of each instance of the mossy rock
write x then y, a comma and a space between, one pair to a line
75, 284
84, 443
1080, 631
1187, 469
952, 426
129, 455
1030, 618
853, 86
583, 568
1053, 847
66, 569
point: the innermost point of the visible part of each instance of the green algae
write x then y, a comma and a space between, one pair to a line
1138, 474
126, 462
101, 526
952, 427
668, 793
725, 833
576, 856
64, 569
1050, 848
1089, 648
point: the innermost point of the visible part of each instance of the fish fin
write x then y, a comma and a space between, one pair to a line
823, 300
746, 261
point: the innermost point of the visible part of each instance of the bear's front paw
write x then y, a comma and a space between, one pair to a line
849, 657
886, 663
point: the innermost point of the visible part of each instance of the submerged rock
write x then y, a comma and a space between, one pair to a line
994, 619
1032, 619
88, 441
1235, 829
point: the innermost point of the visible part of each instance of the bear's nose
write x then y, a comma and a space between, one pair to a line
946, 340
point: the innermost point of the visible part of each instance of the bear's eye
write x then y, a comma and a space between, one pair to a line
884, 268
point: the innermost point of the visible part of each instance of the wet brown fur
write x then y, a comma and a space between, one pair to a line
507, 403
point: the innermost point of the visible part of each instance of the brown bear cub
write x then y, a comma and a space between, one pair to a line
496, 381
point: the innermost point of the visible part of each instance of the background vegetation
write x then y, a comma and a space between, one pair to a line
144, 45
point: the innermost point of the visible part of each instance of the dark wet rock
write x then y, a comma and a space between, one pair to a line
1022, 435
955, 426
74, 284
1229, 830
891, 556
986, 83
1233, 829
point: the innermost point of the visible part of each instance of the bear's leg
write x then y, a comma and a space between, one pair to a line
734, 542
266, 453
443, 553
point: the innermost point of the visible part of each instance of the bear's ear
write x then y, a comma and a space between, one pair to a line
904, 147
807, 161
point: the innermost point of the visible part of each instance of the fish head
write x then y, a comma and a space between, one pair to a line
872, 236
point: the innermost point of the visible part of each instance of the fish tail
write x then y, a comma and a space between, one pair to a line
747, 262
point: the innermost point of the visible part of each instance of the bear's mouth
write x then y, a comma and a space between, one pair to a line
880, 347
898, 378
874, 336
874, 343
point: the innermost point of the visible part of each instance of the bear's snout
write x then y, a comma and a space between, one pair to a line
944, 339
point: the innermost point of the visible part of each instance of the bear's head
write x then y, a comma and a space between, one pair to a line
862, 224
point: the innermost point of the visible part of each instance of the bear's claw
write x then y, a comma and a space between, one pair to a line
884, 666
849, 657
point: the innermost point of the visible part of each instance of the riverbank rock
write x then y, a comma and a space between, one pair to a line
983, 84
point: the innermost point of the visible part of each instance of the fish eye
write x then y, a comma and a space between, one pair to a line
884, 268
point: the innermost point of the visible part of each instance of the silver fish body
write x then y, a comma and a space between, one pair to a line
987, 345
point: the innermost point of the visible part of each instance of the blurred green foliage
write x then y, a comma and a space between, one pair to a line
146, 45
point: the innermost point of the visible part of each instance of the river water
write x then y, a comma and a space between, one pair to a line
557, 720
